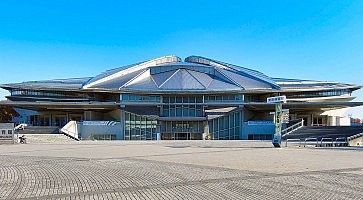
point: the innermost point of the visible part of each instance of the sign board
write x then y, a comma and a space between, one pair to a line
99, 123
259, 123
6, 131
285, 116
277, 99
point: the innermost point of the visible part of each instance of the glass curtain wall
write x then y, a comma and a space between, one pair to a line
138, 127
182, 106
226, 127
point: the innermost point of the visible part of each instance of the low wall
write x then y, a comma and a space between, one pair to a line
100, 130
257, 128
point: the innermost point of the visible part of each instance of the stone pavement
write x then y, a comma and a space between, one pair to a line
178, 170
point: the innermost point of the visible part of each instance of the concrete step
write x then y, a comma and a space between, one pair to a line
39, 130
48, 138
325, 132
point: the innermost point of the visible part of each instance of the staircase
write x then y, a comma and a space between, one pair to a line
48, 133
292, 128
48, 138
38, 130
320, 132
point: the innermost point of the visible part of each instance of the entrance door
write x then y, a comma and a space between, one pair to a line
182, 136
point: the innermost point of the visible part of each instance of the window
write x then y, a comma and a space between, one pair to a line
3, 132
224, 98
10, 132
225, 127
318, 94
138, 127
48, 93
182, 106
143, 98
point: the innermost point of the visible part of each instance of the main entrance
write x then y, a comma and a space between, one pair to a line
182, 136
182, 130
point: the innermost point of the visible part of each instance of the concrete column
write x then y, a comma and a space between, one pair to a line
242, 135
121, 135
206, 133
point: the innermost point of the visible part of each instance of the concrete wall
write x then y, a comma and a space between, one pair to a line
258, 128
87, 131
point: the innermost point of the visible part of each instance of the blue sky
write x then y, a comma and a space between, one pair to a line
320, 40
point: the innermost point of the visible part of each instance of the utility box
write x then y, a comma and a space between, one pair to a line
7, 133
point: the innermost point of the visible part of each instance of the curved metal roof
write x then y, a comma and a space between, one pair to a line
169, 73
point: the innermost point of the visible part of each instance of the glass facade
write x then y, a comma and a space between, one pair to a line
48, 94
140, 98
103, 137
183, 99
48, 120
327, 93
227, 127
223, 98
182, 106
182, 111
138, 127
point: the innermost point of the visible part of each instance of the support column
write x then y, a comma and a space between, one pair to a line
206, 134
121, 134
243, 135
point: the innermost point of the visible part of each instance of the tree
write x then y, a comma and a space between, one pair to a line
7, 113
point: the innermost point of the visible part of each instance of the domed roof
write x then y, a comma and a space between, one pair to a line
170, 73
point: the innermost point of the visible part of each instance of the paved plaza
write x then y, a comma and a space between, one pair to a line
178, 170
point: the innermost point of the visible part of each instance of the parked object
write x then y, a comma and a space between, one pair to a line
22, 139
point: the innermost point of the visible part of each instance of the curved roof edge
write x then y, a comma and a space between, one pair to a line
254, 74
114, 73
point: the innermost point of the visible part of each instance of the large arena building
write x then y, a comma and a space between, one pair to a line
196, 98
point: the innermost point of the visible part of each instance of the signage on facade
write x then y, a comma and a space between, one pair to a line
285, 116
277, 99
260, 123
99, 123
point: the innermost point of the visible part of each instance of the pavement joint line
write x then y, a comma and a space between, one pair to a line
169, 185
79, 159
176, 184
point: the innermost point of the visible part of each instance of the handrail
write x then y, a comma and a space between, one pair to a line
341, 141
292, 128
293, 140
354, 136
326, 142
314, 140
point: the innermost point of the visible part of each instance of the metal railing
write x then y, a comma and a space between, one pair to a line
293, 141
324, 142
341, 142
292, 128
355, 136
311, 141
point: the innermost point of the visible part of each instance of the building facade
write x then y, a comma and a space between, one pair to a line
196, 98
